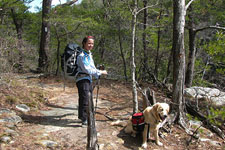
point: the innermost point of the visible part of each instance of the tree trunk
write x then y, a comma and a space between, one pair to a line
58, 48
102, 48
134, 22
122, 54
45, 36
145, 2
92, 141
192, 48
58, 57
18, 24
178, 59
191, 58
169, 67
158, 47
157, 55
192, 52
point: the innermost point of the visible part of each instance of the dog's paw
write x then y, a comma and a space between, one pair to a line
159, 143
144, 145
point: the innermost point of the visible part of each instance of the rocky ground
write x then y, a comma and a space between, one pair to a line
52, 123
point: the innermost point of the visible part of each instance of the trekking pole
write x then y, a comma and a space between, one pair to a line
96, 102
64, 73
101, 67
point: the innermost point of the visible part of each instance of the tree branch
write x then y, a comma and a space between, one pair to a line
147, 7
189, 3
71, 30
210, 27
69, 3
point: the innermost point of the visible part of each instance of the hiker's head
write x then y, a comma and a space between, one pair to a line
88, 43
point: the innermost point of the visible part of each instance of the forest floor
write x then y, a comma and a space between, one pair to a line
53, 117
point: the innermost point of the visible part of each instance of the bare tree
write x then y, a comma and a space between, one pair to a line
135, 12
121, 52
179, 13
134, 23
19, 29
45, 33
157, 58
45, 36
144, 35
192, 51
192, 46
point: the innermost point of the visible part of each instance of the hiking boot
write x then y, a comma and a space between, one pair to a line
84, 123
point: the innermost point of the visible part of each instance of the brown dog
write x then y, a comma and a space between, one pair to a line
153, 116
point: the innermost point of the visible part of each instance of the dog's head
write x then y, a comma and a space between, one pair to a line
161, 110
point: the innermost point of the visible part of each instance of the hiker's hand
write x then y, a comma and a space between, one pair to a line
104, 72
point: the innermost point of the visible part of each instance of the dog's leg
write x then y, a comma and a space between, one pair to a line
156, 135
144, 135
129, 129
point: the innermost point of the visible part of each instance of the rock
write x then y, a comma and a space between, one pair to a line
5, 139
48, 143
6, 111
110, 146
194, 123
114, 133
14, 119
11, 132
10, 125
212, 95
23, 108
9, 117
120, 141
101, 146
214, 143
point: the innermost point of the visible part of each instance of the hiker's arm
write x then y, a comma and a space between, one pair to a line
88, 67
103, 72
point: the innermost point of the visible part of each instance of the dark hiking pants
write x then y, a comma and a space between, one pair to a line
85, 93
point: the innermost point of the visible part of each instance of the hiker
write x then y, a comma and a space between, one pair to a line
86, 69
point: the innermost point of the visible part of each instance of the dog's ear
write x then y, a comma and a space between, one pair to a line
155, 107
155, 111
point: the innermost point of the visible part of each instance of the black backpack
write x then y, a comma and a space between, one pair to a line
68, 59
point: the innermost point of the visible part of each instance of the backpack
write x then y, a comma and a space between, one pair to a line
68, 59
138, 122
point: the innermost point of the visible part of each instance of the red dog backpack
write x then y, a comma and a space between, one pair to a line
138, 122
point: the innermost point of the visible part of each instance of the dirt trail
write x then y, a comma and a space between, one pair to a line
59, 122
56, 125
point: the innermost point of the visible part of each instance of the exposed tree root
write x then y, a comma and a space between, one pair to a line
205, 121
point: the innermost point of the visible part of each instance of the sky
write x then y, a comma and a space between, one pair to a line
39, 4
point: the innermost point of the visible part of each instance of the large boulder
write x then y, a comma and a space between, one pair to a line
212, 95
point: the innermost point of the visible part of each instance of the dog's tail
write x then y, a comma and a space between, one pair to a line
122, 123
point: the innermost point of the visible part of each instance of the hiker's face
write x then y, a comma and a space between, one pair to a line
89, 44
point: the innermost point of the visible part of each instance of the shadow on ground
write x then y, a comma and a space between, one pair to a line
58, 116
129, 141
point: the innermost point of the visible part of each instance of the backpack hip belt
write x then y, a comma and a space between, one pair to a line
81, 75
